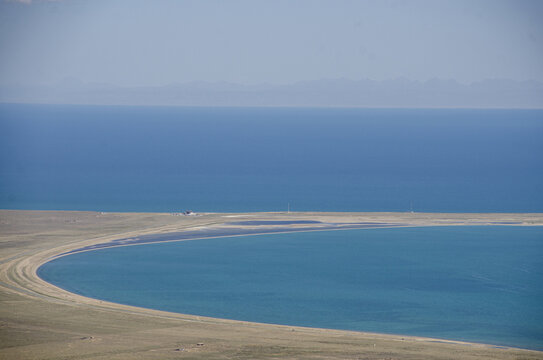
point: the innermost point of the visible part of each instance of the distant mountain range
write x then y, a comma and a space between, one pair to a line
400, 93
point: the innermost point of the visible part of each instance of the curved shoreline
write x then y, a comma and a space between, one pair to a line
21, 273
190, 238
238, 234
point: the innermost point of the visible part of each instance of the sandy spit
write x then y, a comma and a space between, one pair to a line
41, 321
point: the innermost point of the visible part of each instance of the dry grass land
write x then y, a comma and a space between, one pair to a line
40, 321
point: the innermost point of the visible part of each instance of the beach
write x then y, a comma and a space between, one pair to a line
41, 321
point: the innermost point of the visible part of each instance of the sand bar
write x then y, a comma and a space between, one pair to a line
40, 321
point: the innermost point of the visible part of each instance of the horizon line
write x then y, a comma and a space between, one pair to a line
279, 106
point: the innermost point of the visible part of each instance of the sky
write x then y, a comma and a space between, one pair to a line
160, 42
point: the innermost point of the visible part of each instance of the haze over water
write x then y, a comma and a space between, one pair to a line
481, 284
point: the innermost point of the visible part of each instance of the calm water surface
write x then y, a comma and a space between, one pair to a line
482, 284
115, 158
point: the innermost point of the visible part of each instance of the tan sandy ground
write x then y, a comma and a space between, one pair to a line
39, 321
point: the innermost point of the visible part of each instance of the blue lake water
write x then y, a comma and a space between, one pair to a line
482, 284
114, 158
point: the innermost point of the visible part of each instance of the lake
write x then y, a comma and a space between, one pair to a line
117, 158
480, 284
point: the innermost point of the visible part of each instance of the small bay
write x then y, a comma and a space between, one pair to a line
480, 284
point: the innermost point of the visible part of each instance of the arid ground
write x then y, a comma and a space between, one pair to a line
40, 321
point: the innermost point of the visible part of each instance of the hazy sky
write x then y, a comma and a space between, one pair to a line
142, 42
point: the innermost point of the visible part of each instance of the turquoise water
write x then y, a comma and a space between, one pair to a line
115, 158
482, 284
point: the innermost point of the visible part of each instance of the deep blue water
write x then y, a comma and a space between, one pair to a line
259, 159
482, 284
